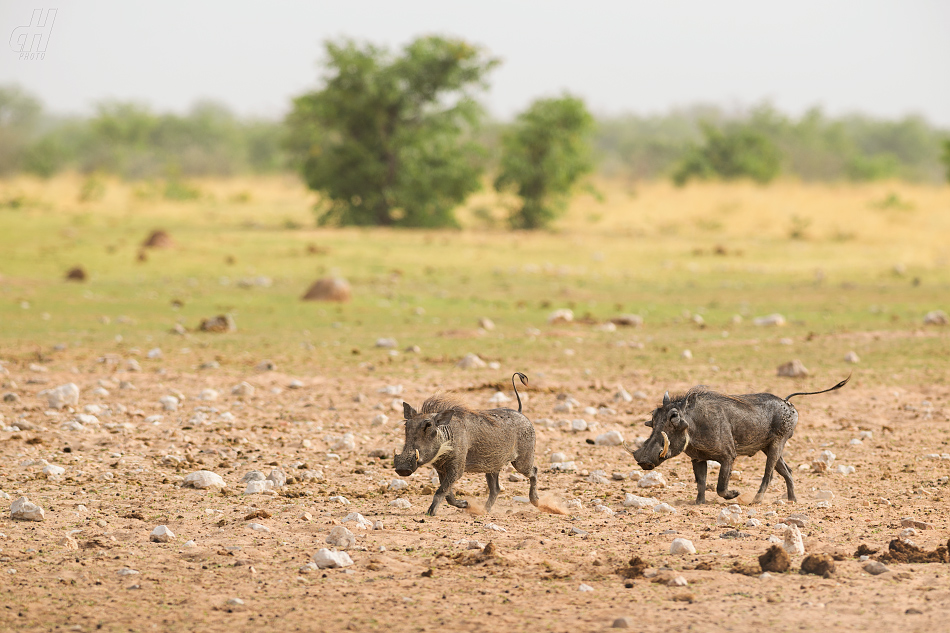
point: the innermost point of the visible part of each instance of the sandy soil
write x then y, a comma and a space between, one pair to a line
123, 478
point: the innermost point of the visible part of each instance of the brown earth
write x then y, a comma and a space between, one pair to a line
124, 472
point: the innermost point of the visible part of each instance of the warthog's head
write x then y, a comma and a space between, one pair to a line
670, 434
427, 440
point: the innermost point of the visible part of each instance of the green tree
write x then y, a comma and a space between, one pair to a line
730, 153
544, 152
19, 115
388, 140
945, 157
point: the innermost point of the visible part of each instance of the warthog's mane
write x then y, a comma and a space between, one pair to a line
702, 392
443, 402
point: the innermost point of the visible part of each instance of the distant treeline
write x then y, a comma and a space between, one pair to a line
135, 142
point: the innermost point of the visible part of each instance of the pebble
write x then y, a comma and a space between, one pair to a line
161, 534
598, 477
253, 475
653, 479
623, 623
379, 525
341, 537
823, 462
24, 510
259, 486
61, 396
235, 602
604, 510
277, 477
682, 546
495, 528
169, 403
359, 519
398, 484
202, 479
242, 389
875, 568
852, 357
53, 470
753, 523
633, 501
622, 395
664, 508
793, 541
471, 361
730, 515
910, 522
499, 398
585, 588
401, 502
564, 466
208, 395
558, 457
825, 495
611, 438
516, 477
340, 499
126, 571
678, 581
772, 320
576, 531
579, 425
845, 470
380, 419
257, 527
327, 559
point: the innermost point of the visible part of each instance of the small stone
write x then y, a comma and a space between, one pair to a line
341, 537
598, 477
682, 546
61, 396
169, 403
875, 568
845, 470
561, 316
400, 503
678, 581
340, 499
824, 495
380, 419
326, 559
664, 508
486, 324
516, 477
161, 534
558, 457
910, 522
471, 361
611, 438
730, 515
633, 501
277, 477
254, 475
202, 479
126, 571
623, 623
24, 510
823, 462
398, 484
852, 357
386, 343
154, 353
243, 389
936, 317
259, 486
257, 527
653, 479
52, 470
772, 320
359, 519
793, 541
792, 369
235, 602
585, 588
499, 398
576, 531
686, 354
622, 395
564, 466
208, 395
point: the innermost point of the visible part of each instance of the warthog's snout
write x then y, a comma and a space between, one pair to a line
405, 465
646, 465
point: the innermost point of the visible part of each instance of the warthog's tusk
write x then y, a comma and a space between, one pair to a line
666, 446
626, 448
417, 454
395, 452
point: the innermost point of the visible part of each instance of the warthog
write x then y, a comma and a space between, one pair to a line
453, 439
712, 426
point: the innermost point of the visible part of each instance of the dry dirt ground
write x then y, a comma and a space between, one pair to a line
123, 477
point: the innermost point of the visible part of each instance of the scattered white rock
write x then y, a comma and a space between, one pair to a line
852, 357
380, 419
792, 369
633, 501
326, 559
61, 396
845, 470
259, 486
361, 522
53, 470
278, 477
682, 546
340, 499
386, 343
561, 316
202, 479
653, 479
257, 527
564, 466
611, 438
208, 395
499, 398
154, 353
161, 534
686, 354
401, 502
169, 403
579, 425
24, 510
471, 361
678, 581
664, 508
494, 527
793, 541
398, 484
730, 515
622, 395
341, 537
243, 389
126, 571
585, 588
598, 477
823, 462
936, 317
486, 324
772, 320
824, 495
875, 568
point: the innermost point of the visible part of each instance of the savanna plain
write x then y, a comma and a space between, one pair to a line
853, 270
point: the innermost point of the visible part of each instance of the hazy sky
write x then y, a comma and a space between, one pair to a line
881, 58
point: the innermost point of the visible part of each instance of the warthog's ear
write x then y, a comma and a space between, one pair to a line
407, 411
443, 418
666, 398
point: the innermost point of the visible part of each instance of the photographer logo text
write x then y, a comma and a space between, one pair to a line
30, 41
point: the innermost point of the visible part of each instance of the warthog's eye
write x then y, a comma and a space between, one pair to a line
427, 426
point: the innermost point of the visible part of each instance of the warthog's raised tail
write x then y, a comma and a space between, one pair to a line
524, 381
815, 393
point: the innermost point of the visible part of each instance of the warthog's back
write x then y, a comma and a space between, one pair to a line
754, 418
495, 438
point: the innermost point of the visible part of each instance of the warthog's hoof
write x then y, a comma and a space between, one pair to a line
461, 503
730, 494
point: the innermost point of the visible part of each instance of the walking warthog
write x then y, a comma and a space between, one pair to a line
453, 439
712, 426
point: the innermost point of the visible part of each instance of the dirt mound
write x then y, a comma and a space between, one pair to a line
329, 289
158, 239
819, 564
77, 273
899, 551
635, 568
220, 323
775, 559
864, 550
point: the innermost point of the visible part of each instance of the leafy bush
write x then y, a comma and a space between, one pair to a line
544, 152
731, 153
387, 140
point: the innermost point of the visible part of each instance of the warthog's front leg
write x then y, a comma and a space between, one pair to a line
447, 478
699, 472
725, 471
